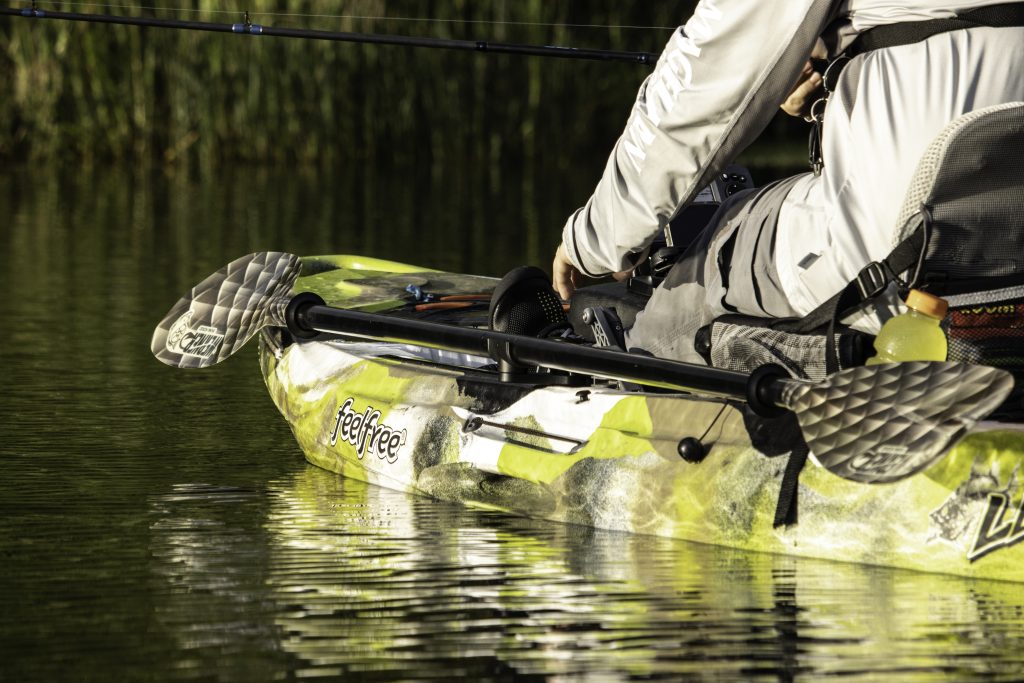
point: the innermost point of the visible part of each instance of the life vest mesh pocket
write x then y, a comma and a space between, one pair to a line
743, 343
988, 328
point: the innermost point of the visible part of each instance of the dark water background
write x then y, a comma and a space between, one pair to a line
158, 524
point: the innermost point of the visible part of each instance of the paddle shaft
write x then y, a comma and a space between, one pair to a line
647, 370
250, 29
875, 424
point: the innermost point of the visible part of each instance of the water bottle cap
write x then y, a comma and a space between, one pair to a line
926, 303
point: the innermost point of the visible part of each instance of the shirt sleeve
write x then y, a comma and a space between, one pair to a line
715, 88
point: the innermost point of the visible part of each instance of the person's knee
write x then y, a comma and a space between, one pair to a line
668, 324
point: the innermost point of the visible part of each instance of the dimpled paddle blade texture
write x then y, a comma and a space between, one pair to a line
225, 310
882, 423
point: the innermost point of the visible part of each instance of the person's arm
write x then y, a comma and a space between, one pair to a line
717, 85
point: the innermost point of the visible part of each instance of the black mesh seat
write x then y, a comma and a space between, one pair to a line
969, 181
524, 303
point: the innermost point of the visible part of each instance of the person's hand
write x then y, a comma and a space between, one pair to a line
566, 277
808, 88
564, 274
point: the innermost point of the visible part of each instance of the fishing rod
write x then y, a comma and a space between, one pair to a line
246, 27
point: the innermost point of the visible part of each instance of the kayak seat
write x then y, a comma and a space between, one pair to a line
524, 303
967, 192
968, 198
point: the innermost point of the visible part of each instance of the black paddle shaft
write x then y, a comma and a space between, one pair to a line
307, 315
877, 424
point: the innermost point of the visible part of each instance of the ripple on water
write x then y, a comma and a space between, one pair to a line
158, 524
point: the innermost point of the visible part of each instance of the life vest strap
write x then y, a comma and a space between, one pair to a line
904, 33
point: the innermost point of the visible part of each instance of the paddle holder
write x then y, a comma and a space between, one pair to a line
508, 369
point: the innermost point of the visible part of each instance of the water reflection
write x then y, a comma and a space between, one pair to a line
209, 564
369, 582
156, 523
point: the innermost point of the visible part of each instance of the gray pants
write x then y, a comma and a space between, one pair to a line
730, 268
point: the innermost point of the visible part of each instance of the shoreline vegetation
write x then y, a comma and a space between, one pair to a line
89, 94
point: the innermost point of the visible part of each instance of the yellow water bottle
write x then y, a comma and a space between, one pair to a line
914, 335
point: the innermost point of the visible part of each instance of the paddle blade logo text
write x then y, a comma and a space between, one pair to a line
202, 342
366, 432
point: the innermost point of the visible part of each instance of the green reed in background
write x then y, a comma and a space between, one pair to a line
94, 92
481, 133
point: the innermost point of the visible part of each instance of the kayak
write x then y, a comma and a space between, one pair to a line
692, 465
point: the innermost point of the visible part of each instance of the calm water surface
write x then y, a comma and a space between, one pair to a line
158, 524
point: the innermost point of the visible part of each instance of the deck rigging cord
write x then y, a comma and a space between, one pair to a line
247, 27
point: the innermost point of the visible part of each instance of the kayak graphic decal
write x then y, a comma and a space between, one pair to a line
366, 432
982, 503
201, 342
995, 531
629, 477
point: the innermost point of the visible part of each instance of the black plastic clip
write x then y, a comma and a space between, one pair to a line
606, 327
873, 279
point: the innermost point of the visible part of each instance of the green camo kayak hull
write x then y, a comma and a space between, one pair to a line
443, 425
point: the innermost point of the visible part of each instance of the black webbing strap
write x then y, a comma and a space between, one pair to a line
786, 507
872, 280
905, 33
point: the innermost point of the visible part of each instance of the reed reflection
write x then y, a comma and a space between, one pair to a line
380, 581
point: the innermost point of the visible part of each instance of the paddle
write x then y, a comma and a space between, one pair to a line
877, 424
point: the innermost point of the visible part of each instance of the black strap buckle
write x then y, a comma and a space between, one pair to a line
873, 279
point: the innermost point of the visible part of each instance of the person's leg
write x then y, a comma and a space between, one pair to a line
729, 269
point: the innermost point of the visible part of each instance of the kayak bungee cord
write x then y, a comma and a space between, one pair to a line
247, 27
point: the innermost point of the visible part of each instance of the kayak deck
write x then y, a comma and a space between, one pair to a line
444, 425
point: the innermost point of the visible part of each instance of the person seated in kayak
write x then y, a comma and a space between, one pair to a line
783, 249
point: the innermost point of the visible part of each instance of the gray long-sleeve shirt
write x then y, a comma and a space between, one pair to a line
719, 82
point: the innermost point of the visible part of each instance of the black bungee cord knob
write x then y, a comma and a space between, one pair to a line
691, 449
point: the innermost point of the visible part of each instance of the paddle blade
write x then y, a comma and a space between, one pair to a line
882, 423
225, 310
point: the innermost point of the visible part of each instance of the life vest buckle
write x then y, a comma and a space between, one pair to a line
873, 279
